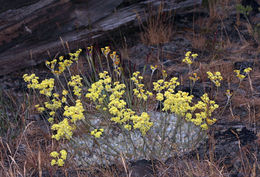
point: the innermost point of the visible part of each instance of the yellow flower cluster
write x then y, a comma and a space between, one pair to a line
189, 57
39, 108
75, 56
62, 63
139, 91
75, 112
142, 122
161, 85
64, 129
207, 107
75, 82
45, 87
59, 157
153, 68
247, 70
90, 50
115, 59
96, 89
53, 105
241, 76
215, 78
105, 51
194, 77
97, 133
64, 99
178, 103
32, 80
229, 93
116, 104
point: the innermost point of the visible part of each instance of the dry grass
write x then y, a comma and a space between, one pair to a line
199, 41
159, 28
195, 168
219, 8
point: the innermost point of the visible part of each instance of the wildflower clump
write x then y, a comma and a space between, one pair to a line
116, 105
178, 103
45, 87
142, 122
58, 66
115, 59
239, 75
32, 80
117, 101
106, 51
162, 85
189, 58
139, 90
207, 107
52, 106
75, 56
242, 76
74, 112
76, 84
64, 129
59, 158
215, 78
182, 106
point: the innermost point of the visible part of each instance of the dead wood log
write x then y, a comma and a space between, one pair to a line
30, 33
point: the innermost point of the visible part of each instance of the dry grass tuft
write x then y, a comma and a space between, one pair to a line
199, 41
194, 168
159, 29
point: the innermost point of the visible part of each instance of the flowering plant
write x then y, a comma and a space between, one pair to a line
124, 120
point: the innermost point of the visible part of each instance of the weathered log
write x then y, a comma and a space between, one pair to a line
28, 34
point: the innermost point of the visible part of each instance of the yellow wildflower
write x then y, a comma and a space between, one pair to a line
215, 78
189, 58
247, 70
229, 93
153, 68
53, 162
63, 154
54, 154
60, 162
194, 77
240, 76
